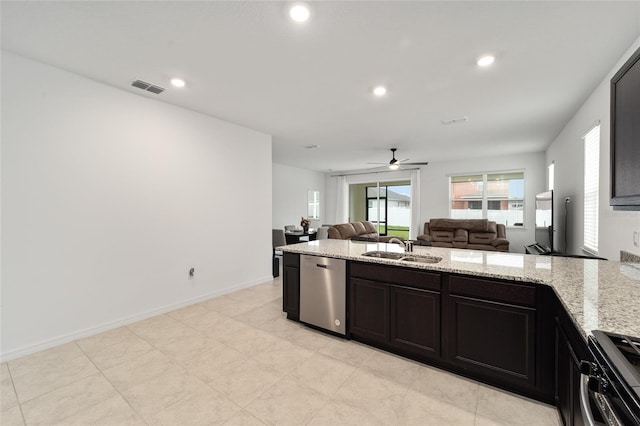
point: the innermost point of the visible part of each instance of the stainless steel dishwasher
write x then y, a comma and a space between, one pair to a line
323, 293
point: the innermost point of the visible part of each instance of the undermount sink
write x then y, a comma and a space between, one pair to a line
403, 257
421, 259
384, 254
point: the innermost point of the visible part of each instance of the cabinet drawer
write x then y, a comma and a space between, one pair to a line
493, 290
394, 275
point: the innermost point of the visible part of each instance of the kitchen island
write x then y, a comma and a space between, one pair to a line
603, 295
515, 321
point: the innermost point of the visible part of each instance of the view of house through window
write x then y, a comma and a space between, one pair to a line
386, 204
495, 196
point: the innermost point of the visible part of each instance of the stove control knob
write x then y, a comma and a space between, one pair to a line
594, 384
598, 384
586, 367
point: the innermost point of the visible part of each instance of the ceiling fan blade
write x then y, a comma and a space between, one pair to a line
394, 164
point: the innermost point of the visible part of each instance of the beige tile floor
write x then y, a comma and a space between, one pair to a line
236, 360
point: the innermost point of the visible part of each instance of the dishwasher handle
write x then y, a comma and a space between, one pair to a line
319, 265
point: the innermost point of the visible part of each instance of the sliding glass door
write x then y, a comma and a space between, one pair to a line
396, 208
386, 204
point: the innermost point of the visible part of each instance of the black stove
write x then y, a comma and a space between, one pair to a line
612, 381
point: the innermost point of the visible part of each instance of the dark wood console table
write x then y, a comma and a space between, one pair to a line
293, 237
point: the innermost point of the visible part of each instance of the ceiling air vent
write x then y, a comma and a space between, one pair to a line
147, 86
455, 120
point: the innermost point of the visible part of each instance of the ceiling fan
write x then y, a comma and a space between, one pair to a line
395, 164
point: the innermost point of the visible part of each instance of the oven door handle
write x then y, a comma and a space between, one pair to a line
585, 406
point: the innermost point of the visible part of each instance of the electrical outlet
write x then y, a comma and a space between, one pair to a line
636, 238
192, 272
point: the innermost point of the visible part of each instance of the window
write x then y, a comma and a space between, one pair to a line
495, 196
551, 171
495, 205
591, 182
313, 204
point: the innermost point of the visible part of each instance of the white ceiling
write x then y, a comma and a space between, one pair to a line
247, 63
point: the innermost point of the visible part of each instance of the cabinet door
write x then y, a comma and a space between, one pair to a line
291, 292
563, 377
575, 394
415, 321
568, 378
369, 310
492, 338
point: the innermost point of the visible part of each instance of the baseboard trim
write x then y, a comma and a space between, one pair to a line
80, 334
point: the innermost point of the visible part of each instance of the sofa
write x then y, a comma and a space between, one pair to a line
359, 231
477, 234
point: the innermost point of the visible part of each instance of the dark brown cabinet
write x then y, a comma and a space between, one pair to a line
492, 328
369, 310
568, 382
625, 134
414, 323
492, 337
395, 308
564, 382
570, 350
497, 331
291, 286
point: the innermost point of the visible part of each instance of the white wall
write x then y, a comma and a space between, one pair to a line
290, 186
434, 189
615, 227
108, 198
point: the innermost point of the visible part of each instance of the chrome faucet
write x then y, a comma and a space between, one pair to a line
406, 245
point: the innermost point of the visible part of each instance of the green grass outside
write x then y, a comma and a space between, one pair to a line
395, 231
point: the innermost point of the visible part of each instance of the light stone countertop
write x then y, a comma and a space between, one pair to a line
598, 294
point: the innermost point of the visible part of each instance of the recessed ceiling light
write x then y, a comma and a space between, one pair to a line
177, 82
299, 12
486, 60
379, 90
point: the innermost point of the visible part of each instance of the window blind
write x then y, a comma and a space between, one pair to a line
591, 182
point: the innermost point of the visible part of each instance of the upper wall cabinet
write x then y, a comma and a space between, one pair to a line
625, 136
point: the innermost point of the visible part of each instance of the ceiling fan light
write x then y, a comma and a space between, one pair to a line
394, 166
486, 60
299, 12
379, 90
